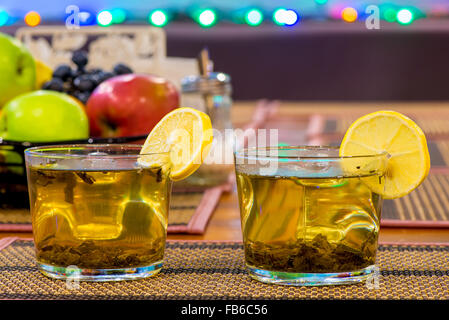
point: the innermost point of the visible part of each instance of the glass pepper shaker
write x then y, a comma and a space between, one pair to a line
211, 94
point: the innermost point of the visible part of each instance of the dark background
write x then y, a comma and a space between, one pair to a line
327, 61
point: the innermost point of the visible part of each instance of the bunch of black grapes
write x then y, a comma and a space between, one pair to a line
80, 82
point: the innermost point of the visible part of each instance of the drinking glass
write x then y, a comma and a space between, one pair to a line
309, 216
98, 210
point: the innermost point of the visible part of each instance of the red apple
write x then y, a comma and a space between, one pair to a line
130, 105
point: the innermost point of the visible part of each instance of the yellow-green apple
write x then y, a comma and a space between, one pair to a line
130, 105
43, 116
17, 69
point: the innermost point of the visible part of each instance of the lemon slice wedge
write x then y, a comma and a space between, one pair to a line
405, 143
185, 134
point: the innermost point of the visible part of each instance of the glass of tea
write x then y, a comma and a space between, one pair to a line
98, 210
308, 216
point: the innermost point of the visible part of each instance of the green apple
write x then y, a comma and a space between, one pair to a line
43, 116
17, 69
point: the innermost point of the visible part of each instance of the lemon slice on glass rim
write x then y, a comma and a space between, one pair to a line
185, 134
404, 142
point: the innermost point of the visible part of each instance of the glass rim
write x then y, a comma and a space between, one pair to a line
44, 151
243, 153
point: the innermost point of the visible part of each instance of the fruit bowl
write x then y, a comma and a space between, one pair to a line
13, 181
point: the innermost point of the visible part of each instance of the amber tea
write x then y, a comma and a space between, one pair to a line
110, 222
310, 222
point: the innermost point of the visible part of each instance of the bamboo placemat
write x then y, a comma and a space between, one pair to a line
215, 270
426, 206
190, 211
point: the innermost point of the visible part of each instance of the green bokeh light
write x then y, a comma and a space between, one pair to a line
390, 15
207, 18
158, 18
104, 18
405, 16
254, 17
278, 16
118, 16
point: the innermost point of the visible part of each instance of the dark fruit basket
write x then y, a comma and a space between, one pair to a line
13, 180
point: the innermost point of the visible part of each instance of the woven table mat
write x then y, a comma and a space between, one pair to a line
426, 206
189, 212
215, 270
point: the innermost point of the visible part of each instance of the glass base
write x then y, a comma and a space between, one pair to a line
310, 279
72, 273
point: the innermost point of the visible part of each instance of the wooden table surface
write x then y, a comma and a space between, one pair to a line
225, 222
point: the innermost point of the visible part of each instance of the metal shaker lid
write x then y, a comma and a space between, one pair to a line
213, 83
